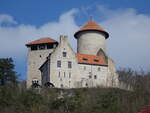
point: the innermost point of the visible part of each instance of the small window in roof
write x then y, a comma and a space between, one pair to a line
95, 60
84, 59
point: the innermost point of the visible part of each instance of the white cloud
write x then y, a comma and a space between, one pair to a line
13, 39
4, 18
128, 43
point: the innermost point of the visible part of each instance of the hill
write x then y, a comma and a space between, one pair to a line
92, 100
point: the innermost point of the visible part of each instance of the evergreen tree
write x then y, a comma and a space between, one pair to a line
7, 73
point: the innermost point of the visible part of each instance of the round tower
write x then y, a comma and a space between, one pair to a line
91, 38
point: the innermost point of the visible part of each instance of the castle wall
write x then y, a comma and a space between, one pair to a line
93, 75
90, 42
64, 77
35, 59
79, 75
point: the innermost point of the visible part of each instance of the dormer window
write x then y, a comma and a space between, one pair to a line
64, 54
84, 59
95, 60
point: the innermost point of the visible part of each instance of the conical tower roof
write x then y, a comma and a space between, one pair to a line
91, 26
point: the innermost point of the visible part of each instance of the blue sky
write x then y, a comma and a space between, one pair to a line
127, 21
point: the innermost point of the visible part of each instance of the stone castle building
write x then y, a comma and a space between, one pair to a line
55, 63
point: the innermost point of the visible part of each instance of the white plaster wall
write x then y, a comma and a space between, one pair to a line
34, 63
54, 70
92, 70
90, 42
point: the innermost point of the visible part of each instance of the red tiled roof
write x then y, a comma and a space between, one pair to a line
41, 41
92, 25
90, 59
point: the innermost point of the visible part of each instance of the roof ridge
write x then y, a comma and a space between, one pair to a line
41, 41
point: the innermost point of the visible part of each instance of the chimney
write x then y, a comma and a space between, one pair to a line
63, 39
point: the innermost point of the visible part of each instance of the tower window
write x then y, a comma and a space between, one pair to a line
41, 47
49, 46
64, 54
34, 47
69, 64
54, 45
35, 83
58, 63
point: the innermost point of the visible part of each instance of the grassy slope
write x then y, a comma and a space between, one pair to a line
94, 100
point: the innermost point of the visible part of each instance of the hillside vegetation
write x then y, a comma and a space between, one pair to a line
15, 98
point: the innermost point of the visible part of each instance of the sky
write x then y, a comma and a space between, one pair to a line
126, 21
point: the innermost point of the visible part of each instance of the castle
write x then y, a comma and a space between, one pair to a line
55, 64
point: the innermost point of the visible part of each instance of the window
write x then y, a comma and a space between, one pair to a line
49, 46
86, 84
35, 81
95, 60
69, 64
59, 74
58, 63
99, 69
54, 45
41, 47
90, 76
84, 59
84, 67
64, 74
69, 74
61, 86
64, 54
34, 47
95, 77
40, 56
